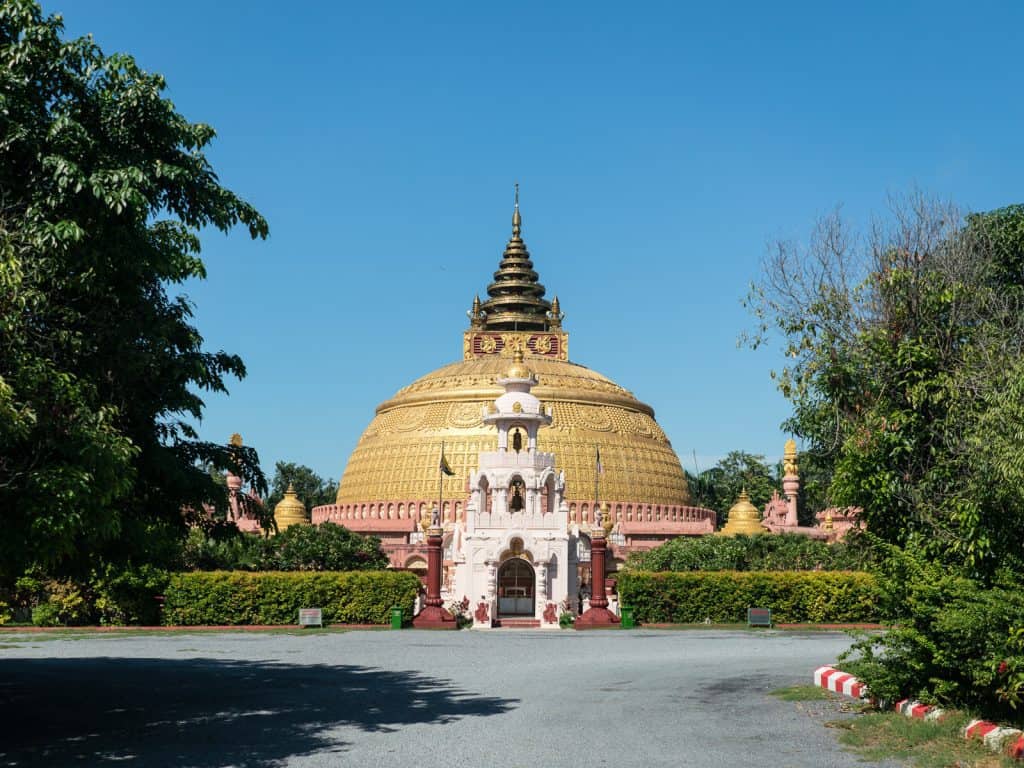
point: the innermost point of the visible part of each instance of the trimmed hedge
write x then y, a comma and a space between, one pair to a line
724, 596
274, 597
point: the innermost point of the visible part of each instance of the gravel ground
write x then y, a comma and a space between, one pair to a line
503, 698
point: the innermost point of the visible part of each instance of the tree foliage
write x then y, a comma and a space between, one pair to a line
105, 187
324, 547
718, 488
906, 373
311, 489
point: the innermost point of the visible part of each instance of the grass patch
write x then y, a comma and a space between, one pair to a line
889, 735
802, 693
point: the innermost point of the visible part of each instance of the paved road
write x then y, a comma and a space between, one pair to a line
644, 698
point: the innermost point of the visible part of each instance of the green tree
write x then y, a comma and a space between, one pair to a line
312, 489
906, 373
105, 189
741, 470
324, 547
718, 488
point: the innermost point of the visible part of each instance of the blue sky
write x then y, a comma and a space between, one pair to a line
659, 147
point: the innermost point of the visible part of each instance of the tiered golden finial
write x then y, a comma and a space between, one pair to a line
555, 315
743, 518
476, 317
789, 465
606, 519
516, 297
290, 510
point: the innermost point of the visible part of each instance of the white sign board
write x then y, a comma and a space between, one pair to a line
311, 617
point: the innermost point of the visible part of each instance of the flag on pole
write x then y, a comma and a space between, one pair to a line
600, 466
444, 466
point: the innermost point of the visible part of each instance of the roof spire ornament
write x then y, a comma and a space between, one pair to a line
789, 463
476, 317
517, 219
556, 314
516, 297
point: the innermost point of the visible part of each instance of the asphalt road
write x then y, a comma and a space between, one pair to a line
412, 698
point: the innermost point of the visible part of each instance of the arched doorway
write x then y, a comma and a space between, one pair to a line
516, 583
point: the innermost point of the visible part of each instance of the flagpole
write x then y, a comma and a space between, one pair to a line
597, 480
440, 485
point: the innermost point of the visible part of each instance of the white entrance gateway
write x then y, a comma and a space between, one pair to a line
516, 558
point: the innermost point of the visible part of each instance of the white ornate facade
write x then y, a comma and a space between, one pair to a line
514, 556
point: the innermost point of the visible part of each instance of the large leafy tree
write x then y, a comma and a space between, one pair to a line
312, 489
718, 488
105, 188
906, 350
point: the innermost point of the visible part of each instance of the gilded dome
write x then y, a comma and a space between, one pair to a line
290, 510
514, 334
397, 456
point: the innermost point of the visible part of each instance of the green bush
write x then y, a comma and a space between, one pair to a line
219, 597
724, 596
64, 603
123, 596
324, 547
957, 642
784, 552
110, 595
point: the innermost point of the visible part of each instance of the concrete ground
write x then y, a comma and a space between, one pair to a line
414, 698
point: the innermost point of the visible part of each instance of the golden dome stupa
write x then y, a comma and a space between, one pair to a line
290, 510
743, 518
515, 331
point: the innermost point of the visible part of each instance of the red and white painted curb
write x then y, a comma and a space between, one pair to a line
918, 710
832, 679
1009, 741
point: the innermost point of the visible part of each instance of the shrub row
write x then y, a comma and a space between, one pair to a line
724, 596
237, 597
324, 547
785, 552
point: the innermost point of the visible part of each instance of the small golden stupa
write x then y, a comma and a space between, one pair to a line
290, 510
743, 518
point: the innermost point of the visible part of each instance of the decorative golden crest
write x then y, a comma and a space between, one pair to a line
517, 407
514, 342
542, 345
488, 345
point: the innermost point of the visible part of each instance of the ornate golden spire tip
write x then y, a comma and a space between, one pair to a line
517, 220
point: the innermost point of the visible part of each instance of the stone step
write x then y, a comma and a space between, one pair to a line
517, 623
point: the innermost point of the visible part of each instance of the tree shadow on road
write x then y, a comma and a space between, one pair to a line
206, 713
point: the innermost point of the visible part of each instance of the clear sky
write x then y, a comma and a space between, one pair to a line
659, 147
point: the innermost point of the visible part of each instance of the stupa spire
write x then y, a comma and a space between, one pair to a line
517, 219
516, 297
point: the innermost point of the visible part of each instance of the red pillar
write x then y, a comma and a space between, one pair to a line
433, 615
597, 615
